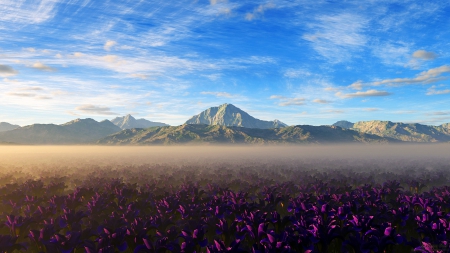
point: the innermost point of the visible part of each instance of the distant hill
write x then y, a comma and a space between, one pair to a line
200, 133
344, 124
128, 122
230, 115
5, 126
73, 132
405, 132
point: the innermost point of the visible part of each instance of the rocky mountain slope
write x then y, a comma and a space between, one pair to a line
198, 133
411, 132
128, 122
230, 115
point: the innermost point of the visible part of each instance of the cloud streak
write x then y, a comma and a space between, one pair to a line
217, 94
93, 109
359, 94
432, 91
42, 67
286, 101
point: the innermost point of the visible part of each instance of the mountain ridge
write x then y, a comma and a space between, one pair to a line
73, 132
216, 134
5, 126
412, 132
128, 122
230, 115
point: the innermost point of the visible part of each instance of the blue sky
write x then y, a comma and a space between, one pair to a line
302, 62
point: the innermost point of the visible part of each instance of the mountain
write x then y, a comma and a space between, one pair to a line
344, 124
230, 115
128, 122
4, 126
73, 132
405, 132
200, 133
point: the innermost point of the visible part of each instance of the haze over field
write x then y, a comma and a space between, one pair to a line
308, 157
301, 62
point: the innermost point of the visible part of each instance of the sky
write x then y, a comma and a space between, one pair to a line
303, 62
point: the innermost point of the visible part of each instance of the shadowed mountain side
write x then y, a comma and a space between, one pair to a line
5, 126
344, 124
197, 133
230, 115
129, 122
405, 132
74, 132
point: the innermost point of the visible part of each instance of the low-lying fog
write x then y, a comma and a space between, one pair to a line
319, 155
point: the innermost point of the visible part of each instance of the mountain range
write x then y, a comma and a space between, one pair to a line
215, 134
411, 132
74, 132
230, 115
222, 124
129, 122
5, 126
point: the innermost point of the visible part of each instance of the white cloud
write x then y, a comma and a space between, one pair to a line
296, 73
425, 77
109, 44
371, 109
217, 94
258, 11
397, 53
337, 37
369, 93
432, 91
424, 55
93, 109
26, 12
43, 67
321, 101
286, 101
358, 85
6, 70
335, 111
21, 94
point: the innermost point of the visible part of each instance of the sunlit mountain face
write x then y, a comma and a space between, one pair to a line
301, 62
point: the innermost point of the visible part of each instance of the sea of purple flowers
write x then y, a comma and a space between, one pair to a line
162, 208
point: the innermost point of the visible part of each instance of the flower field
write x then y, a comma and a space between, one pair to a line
219, 207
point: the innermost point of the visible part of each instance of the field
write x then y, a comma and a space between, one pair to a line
354, 198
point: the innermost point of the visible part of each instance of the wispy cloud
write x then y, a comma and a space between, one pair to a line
21, 94
258, 11
217, 94
6, 70
24, 12
93, 109
432, 91
369, 93
337, 37
109, 44
286, 101
425, 77
335, 111
43, 67
371, 109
